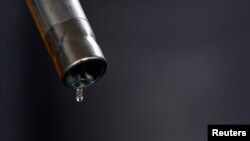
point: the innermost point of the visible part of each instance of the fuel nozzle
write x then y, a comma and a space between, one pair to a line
70, 42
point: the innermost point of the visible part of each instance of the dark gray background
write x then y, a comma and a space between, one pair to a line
174, 66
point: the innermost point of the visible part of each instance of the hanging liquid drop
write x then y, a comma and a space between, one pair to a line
79, 95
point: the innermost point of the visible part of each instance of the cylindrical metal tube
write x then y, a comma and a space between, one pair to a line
70, 41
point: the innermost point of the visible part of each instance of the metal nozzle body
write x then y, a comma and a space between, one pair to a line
68, 38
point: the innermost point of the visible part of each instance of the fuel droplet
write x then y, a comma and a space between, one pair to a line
79, 95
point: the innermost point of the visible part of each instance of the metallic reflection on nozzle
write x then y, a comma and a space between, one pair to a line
70, 41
